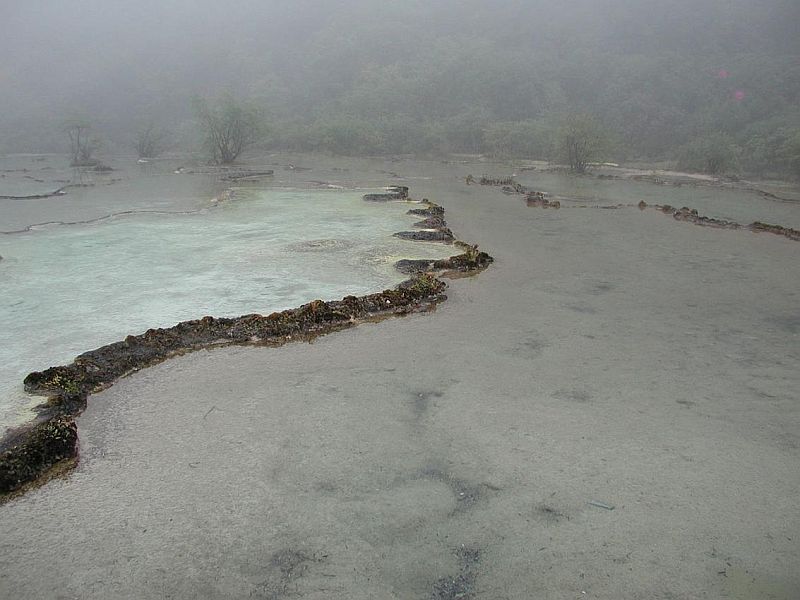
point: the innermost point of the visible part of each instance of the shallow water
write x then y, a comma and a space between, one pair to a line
69, 288
90, 195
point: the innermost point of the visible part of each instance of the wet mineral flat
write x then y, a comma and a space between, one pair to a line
608, 359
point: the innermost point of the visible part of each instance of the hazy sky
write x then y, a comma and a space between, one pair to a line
120, 61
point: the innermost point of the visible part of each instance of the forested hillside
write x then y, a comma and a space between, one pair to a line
711, 85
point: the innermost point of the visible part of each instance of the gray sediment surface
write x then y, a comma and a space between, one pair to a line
608, 358
539, 199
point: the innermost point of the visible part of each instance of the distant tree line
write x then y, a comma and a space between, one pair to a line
714, 87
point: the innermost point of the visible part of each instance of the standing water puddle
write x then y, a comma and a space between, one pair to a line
68, 289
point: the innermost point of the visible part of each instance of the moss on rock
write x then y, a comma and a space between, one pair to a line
44, 446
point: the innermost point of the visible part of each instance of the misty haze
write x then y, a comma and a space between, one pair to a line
414, 300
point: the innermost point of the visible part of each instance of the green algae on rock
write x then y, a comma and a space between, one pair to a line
41, 448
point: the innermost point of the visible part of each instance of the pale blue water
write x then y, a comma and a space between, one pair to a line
65, 289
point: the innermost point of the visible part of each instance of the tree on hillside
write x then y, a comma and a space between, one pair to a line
511, 139
150, 140
580, 140
714, 154
82, 146
789, 153
230, 125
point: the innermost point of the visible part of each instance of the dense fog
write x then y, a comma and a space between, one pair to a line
662, 80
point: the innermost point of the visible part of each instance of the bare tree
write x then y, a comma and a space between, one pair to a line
150, 141
581, 140
231, 126
82, 146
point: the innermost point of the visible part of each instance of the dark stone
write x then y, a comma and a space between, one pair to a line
430, 210
691, 215
432, 222
440, 235
497, 181
248, 175
410, 266
470, 261
792, 234
43, 447
400, 190
381, 197
540, 199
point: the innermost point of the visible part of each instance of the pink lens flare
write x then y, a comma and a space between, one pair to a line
738, 95
723, 74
